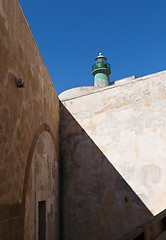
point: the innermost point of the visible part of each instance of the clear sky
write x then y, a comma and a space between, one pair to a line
70, 34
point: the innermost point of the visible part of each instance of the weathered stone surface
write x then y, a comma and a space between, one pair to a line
25, 113
125, 164
82, 91
42, 186
152, 229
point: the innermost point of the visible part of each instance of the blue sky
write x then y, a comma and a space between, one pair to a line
70, 34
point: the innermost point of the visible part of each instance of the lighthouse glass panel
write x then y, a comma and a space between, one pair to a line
100, 60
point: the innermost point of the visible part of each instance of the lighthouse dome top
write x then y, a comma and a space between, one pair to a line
101, 57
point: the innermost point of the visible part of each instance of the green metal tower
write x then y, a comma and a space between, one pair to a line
101, 71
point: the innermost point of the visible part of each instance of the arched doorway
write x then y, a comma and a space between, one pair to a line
41, 188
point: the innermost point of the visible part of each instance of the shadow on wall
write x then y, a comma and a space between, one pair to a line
97, 202
12, 216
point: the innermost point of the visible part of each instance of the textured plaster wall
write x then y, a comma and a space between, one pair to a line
42, 186
114, 162
25, 113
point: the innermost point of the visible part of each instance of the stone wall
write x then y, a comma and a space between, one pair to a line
113, 156
42, 186
155, 228
29, 122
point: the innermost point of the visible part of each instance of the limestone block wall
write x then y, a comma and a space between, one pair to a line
113, 150
29, 131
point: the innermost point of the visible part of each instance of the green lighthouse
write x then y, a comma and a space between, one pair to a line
101, 71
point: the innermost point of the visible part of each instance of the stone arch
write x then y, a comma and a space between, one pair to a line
43, 127
42, 181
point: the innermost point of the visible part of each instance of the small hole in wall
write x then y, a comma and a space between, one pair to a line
20, 82
126, 200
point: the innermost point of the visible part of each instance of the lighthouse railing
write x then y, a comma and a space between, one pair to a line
100, 65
